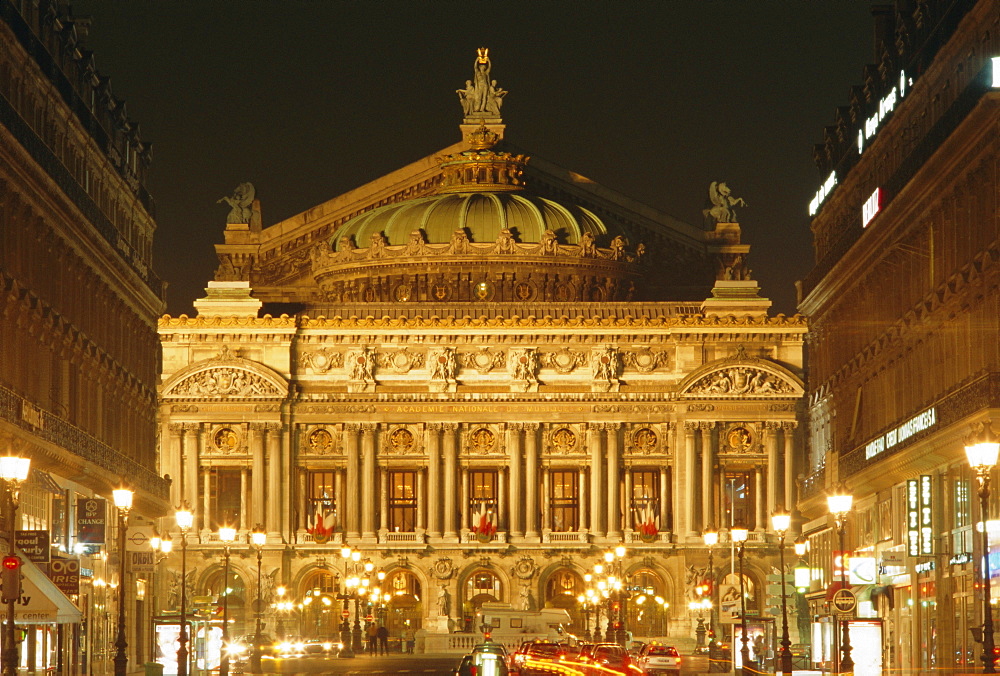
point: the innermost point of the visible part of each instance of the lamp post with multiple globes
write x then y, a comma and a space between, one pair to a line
619, 592
780, 521
184, 518
739, 535
162, 546
711, 538
123, 501
227, 536
14, 471
840, 505
983, 458
258, 538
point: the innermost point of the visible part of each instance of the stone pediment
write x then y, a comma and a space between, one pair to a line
226, 376
741, 377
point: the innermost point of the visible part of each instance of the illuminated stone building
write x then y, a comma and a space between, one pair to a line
902, 304
78, 343
479, 336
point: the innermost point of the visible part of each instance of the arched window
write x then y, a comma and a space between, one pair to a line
648, 609
561, 591
405, 606
482, 587
231, 591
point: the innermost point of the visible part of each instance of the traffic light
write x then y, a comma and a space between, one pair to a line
10, 578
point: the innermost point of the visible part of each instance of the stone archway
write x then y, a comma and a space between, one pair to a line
648, 610
562, 589
405, 609
319, 610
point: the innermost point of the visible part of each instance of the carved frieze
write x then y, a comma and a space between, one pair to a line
646, 360
321, 360
740, 380
564, 360
484, 360
224, 382
400, 361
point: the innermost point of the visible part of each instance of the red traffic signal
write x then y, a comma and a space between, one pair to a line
10, 578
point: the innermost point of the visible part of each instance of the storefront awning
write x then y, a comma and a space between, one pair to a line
41, 601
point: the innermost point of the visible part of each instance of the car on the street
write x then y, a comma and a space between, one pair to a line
657, 659
486, 659
609, 658
536, 651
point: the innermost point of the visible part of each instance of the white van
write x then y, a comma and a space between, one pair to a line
512, 627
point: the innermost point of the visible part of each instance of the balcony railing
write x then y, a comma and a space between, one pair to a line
500, 537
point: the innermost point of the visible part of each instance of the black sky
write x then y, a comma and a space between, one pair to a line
310, 99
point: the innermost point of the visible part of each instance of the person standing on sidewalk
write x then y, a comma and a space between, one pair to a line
383, 639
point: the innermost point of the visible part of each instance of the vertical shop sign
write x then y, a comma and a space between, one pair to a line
913, 517
926, 516
91, 520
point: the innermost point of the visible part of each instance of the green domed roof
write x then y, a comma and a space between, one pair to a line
482, 215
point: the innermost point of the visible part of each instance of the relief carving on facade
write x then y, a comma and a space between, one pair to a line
646, 360
321, 442
740, 380
443, 365
606, 364
400, 361
443, 568
564, 441
644, 440
360, 366
227, 441
401, 441
481, 441
564, 360
225, 382
739, 439
321, 360
484, 360
522, 365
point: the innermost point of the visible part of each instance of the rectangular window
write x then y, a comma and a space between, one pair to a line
403, 501
483, 493
225, 490
739, 507
565, 501
645, 498
321, 498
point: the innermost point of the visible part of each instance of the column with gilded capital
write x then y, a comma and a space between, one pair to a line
383, 500
597, 485
531, 480
688, 480
759, 501
421, 524
190, 451
258, 473
707, 474
172, 463
450, 478
614, 481
279, 485
353, 481
515, 502
788, 432
584, 491
771, 448
433, 500
368, 481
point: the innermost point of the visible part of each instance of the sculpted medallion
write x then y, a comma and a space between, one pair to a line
401, 361
481, 440
563, 441
740, 439
226, 440
644, 440
565, 360
321, 442
401, 440
322, 360
484, 360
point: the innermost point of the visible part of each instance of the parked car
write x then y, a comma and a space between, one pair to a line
486, 659
657, 659
534, 651
611, 657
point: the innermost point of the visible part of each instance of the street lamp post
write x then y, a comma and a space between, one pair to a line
164, 546
258, 537
184, 518
983, 458
739, 535
227, 535
348, 555
123, 501
780, 521
618, 588
840, 505
13, 470
281, 606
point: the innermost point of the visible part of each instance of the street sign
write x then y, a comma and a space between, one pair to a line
845, 601
137, 539
34, 544
90, 520
345, 614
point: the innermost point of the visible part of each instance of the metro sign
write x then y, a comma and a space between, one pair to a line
871, 207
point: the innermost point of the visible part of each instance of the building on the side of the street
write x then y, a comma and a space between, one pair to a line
79, 358
482, 372
78, 343
903, 360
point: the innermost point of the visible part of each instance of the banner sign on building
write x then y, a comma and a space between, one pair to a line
65, 574
91, 520
141, 562
34, 544
926, 516
913, 517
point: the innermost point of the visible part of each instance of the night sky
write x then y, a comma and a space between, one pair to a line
310, 99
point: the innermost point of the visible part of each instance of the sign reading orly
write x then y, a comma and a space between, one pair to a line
885, 106
918, 423
822, 193
871, 207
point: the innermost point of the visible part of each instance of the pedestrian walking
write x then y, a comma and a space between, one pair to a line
383, 639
